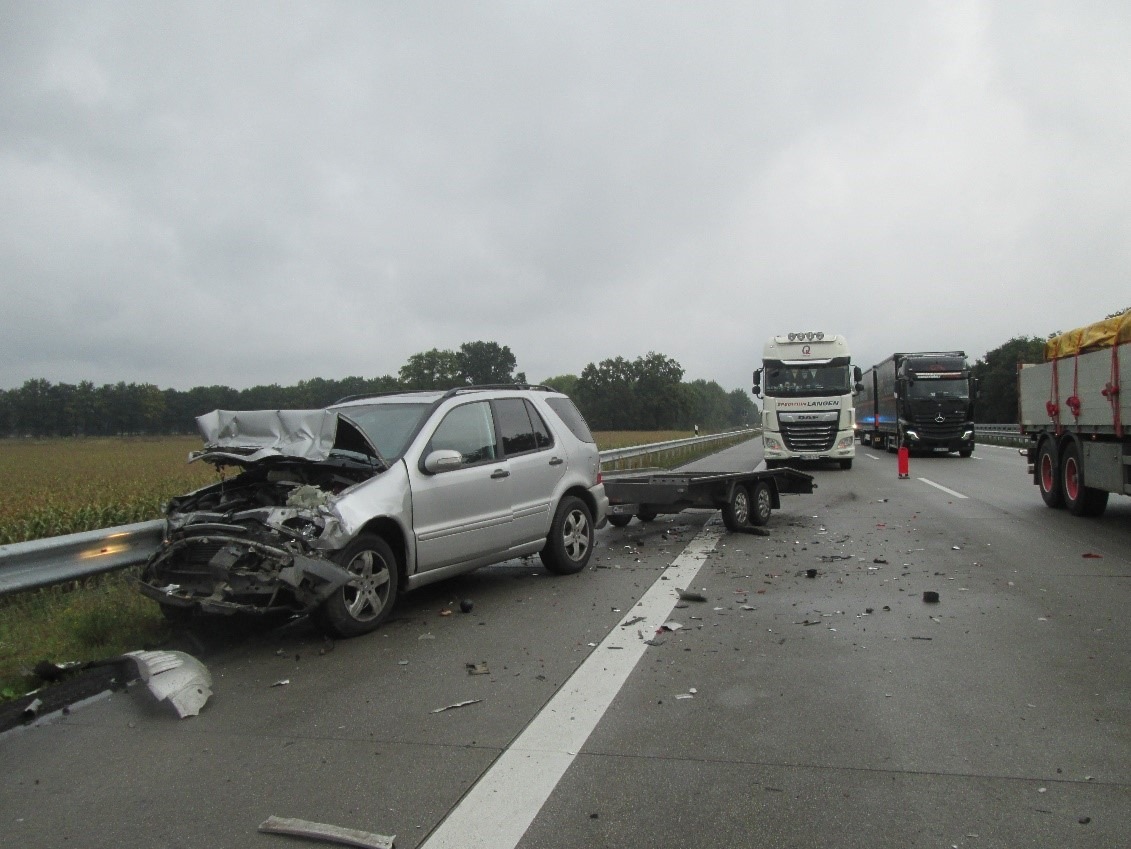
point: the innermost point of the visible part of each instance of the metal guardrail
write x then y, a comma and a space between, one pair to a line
54, 560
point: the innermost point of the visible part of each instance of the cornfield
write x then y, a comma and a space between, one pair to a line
64, 486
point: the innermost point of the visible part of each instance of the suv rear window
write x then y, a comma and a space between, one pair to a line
572, 417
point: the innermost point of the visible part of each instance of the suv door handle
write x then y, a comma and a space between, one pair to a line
556, 461
499, 473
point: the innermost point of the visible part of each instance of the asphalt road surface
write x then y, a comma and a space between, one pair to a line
838, 710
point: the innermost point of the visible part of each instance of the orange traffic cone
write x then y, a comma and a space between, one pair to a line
904, 458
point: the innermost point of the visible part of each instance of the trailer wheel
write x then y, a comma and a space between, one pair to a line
1079, 498
762, 503
736, 512
645, 515
1048, 475
619, 520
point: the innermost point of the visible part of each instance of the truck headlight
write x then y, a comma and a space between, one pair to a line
910, 434
968, 434
847, 442
772, 443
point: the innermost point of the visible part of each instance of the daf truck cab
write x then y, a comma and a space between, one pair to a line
806, 384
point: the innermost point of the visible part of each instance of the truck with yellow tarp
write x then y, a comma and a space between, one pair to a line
1076, 410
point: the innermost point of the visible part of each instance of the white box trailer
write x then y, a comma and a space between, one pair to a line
1076, 410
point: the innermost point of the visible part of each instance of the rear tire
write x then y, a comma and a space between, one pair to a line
570, 542
736, 512
1048, 475
761, 503
1079, 498
359, 606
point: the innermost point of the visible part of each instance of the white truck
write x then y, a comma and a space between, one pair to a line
1075, 411
806, 383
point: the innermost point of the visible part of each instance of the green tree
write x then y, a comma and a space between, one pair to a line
564, 383
997, 378
485, 363
433, 369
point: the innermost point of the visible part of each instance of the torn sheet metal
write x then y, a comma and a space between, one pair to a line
176, 677
246, 436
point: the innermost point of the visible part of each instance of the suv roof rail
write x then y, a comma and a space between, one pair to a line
448, 393
486, 387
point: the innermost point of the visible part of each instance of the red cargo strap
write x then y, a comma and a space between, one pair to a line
1052, 406
1073, 400
1111, 392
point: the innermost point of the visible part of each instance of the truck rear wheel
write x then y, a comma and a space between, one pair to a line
1048, 475
1079, 498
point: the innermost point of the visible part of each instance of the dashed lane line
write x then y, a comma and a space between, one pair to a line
943, 488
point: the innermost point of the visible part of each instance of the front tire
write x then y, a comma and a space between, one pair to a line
570, 542
1079, 498
1048, 475
846, 464
359, 606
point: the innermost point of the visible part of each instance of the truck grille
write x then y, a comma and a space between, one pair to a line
809, 436
950, 428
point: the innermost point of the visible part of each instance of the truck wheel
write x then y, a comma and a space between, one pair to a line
736, 512
846, 464
365, 602
570, 542
646, 515
965, 453
1048, 475
761, 503
1079, 498
619, 520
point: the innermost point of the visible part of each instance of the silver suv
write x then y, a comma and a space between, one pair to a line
335, 511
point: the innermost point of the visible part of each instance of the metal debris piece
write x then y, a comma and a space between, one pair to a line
176, 677
457, 705
690, 595
282, 682
329, 833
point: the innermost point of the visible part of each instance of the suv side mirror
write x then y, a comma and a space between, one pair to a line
444, 460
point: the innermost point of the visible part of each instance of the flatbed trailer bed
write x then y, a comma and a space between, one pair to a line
746, 498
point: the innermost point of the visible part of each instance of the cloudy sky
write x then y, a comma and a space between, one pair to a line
247, 193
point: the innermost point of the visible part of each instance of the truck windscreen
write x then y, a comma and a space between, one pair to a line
924, 388
797, 381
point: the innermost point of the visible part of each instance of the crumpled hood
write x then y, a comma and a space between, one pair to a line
251, 435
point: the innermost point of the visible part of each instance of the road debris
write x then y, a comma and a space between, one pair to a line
176, 677
328, 833
930, 597
466, 605
284, 682
690, 595
457, 705
478, 668
1088, 555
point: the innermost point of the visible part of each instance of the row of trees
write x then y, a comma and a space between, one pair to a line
644, 394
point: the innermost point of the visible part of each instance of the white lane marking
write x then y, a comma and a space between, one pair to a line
943, 488
499, 808
871, 456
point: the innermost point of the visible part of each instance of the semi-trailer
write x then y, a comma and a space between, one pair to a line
923, 400
1077, 416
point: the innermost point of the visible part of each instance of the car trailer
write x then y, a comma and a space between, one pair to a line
746, 498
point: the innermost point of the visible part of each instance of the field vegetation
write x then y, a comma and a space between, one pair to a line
55, 487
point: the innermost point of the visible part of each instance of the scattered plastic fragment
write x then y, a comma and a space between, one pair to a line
669, 626
690, 595
328, 833
1092, 556
930, 597
176, 677
457, 705
32, 710
466, 605
478, 668
284, 682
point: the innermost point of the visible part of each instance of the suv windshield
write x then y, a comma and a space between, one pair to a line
783, 380
389, 426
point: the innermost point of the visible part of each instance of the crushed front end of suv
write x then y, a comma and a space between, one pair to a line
333, 512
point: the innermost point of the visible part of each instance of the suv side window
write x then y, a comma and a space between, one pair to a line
572, 417
469, 430
542, 436
518, 433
